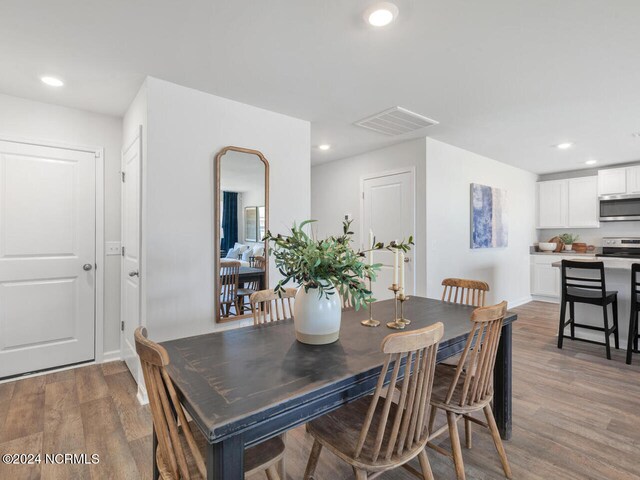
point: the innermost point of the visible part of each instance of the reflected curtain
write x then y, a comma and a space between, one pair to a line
229, 220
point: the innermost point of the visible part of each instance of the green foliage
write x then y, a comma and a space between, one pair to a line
569, 238
328, 265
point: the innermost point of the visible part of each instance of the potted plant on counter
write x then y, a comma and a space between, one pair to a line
325, 270
568, 239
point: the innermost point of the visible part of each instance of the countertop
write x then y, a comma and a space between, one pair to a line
573, 254
609, 262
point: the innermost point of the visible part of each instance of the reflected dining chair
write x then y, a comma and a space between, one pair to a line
468, 388
229, 278
268, 306
180, 452
375, 433
465, 292
632, 341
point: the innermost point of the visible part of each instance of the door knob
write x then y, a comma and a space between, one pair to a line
87, 266
406, 259
133, 273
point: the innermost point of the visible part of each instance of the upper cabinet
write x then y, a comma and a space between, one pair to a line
633, 180
571, 203
612, 181
552, 204
619, 181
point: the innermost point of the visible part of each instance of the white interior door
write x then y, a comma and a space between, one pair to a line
47, 257
389, 211
130, 271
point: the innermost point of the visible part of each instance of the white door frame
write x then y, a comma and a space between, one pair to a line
388, 173
99, 234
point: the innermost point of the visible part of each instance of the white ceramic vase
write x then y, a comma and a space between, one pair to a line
568, 247
317, 318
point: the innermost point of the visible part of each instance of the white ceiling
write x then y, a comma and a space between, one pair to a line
505, 78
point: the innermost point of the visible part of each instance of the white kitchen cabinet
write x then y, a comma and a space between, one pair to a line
583, 209
545, 278
633, 180
612, 181
552, 204
570, 203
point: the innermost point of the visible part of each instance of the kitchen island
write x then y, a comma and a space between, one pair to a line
617, 277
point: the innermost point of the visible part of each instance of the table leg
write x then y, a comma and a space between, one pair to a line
156, 473
502, 394
225, 460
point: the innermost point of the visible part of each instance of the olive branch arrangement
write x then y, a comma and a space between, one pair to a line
328, 264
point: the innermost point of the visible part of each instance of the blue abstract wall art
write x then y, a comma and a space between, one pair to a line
489, 225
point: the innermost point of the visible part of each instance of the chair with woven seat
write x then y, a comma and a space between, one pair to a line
632, 341
468, 388
376, 434
268, 306
584, 282
181, 446
229, 278
249, 288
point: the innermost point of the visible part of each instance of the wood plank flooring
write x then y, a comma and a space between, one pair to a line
576, 416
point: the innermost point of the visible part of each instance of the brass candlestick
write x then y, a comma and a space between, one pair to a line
403, 298
370, 322
397, 323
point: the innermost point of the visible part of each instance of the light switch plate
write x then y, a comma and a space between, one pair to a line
112, 248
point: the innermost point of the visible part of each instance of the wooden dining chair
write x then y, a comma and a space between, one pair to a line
229, 278
465, 292
268, 306
467, 389
180, 452
376, 434
259, 262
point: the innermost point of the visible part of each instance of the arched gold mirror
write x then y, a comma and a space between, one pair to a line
241, 218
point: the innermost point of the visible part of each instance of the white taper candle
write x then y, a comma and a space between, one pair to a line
395, 267
401, 284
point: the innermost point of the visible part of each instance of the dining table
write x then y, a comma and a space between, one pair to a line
246, 385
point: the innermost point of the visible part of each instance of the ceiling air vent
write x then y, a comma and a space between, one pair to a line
396, 121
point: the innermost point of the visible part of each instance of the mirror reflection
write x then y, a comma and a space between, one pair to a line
242, 219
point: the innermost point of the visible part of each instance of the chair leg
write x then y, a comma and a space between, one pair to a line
616, 337
425, 465
606, 330
455, 445
282, 464
468, 433
313, 460
360, 474
272, 473
572, 316
563, 313
493, 428
633, 328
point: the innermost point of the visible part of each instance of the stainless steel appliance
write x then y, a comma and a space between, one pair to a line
619, 208
623, 247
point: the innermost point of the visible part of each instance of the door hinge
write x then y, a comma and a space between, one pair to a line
97, 154
363, 195
122, 176
122, 251
95, 265
122, 326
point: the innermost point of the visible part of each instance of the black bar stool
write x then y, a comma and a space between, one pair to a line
591, 290
632, 345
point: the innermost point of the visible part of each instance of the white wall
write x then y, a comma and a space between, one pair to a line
186, 128
41, 121
450, 171
335, 191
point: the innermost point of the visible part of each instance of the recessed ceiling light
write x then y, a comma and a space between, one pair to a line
381, 14
564, 146
324, 146
52, 81
591, 162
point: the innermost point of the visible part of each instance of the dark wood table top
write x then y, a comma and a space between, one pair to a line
229, 380
251, 271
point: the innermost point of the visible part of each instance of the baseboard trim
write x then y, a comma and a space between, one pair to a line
519, 302
111, 356
142, 396
541, 298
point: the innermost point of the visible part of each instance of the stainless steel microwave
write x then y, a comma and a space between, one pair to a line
619, 208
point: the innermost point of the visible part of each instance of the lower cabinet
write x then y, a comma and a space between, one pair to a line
545, 278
